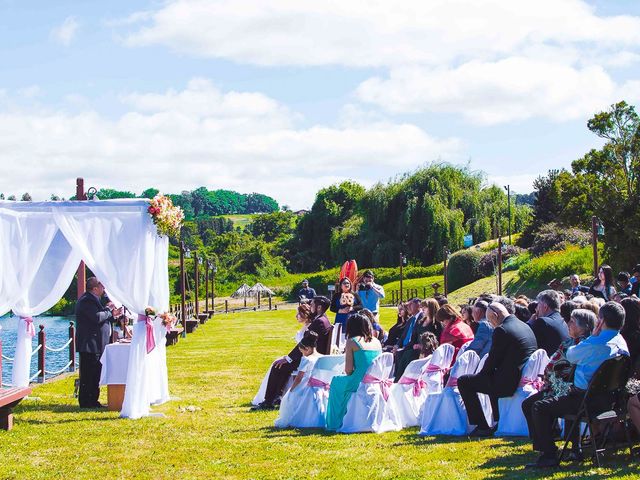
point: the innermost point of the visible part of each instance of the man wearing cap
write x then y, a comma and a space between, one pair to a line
306, 293
370, 293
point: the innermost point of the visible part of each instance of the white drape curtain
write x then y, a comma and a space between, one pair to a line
41, 245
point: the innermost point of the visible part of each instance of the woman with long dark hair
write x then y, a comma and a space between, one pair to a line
344, 301
361, 350
603, 287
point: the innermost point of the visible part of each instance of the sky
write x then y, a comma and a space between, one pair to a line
284, 97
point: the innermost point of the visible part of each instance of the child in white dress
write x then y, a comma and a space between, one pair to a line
290, 406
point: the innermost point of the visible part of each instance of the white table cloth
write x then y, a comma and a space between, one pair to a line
115, 361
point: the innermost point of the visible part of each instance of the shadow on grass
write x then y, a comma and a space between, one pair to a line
83, 414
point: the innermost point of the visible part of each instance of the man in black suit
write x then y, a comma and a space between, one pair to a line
283, 367
549, 327
512, 344
93, 331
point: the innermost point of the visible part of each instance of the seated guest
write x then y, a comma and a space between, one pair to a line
378, 331
566, 308
429, 309
558, 374
624, 285
605, 343
290, 407
467, 317
441, 299
522, 312
548, 326
408, 347
283, 367
455, 332
631, 329
396, 330
361, 350
635, 281
428, 344
344, 301
576, 288
304, 316
512, 344
481, 343
603, 286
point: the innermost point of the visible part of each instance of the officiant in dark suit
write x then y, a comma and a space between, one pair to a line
93, 331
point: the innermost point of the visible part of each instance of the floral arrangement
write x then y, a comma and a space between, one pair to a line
168, 320
633, 386
150, 312
166, 216
559, 388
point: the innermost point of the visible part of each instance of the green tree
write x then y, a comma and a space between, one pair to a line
150, 193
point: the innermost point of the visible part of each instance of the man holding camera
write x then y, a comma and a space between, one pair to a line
370, 293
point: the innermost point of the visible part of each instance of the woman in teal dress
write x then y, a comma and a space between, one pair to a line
361, 350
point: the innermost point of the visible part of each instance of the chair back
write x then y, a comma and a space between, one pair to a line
381, 366
327, 350
611, 377
466, 364
464, 347
535, 365
328, 367
414, 369
482, 362
335, 335
443, 356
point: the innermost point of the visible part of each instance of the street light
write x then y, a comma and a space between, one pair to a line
184, 252
508, 189
446, 254
196, 270
597, 230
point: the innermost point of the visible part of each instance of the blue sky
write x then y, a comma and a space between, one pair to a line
284, 97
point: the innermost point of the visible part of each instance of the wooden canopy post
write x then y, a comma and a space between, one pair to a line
196, 281
183, 287
82, 272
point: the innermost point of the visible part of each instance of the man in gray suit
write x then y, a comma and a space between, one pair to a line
93, 332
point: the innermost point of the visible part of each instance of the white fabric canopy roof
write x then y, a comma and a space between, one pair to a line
41, 245
242, 291
258, 287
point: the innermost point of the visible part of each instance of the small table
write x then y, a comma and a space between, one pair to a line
115, 362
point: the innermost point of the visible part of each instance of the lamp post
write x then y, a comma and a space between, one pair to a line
499, 264
446, 253
214, 270
197, 261
184, 252
403, 262
508, 189
206, 286
597, 229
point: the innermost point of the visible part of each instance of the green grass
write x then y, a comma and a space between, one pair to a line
240, 220
417, 283
219, 368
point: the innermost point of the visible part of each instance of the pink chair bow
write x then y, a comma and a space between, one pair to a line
536, 383
385, 384
418, 384
151, 341
316, 382
452, 382
437, 369
31, 330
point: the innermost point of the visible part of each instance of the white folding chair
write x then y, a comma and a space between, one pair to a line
512, 421
409, 393
444, 412
369, 408
464, 347
310, 406
485, 401
436, 369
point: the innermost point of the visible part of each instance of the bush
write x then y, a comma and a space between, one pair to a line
558, 264
554, 237
490, 260
464, 268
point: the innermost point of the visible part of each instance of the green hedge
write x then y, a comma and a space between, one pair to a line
464, 268
558, 264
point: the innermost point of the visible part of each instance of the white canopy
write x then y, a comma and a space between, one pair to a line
258, 287
242, 291
41, 245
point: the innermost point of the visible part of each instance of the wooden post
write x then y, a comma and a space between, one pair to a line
594, 244
72, 347
424, 292
226, 306
446, 275
206, 286
82, 272
42, 342
269, 301
183, 298
196, 267
245, 300
401, 262
499, 265
258, 299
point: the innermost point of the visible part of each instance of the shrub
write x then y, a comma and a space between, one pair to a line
464, 268
558, 264
490, 260
554, 237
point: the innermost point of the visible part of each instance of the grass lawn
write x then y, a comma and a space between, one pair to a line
240, 220
218, 369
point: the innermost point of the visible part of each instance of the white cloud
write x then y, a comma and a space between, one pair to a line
492, 61
66, 32
202, 136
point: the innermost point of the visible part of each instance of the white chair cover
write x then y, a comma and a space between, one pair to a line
335, 335
409, 393
485, 401
444, 412
464, 347
512, 421
439, 365
368, 410
309, 408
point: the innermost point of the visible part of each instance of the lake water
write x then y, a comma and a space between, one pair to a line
57, 330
